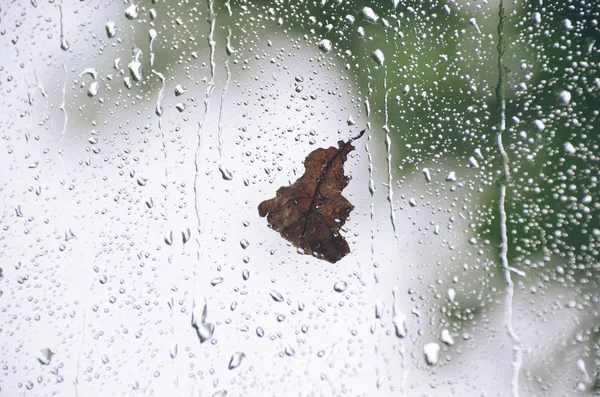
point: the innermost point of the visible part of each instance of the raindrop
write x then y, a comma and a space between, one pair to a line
340, 286
451, 294
400, 326
289, 351
539, 125
216, 281
186, 235
45, 356
378, 57
173, 350
135, 67
225, 173
111, 29
204, 330
179, 90
451, 176
432, 353
446, 338
564, 97
379, 308
427, 174
244, 243
132, 11
569, 148
93, 89
473, 22
325, 45
277, 297
245, 274
236, 360
568, 24
370, 15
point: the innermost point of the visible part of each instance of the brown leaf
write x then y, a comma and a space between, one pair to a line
310, 212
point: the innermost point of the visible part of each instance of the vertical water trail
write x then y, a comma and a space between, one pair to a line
63, 108
501, 98
223, 93
165, 215
78, 363
152, 33
396, 314
207, 96
371, 180
159, 113
388, 146
64, 44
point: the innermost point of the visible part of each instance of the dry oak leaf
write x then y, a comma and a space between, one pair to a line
310, 212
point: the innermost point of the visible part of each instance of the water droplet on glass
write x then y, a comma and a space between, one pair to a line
378, 57
379, 308
225, 173
135, 67
451, 176
569, 148
473, 162
244, 243
473, 22
186, 235
220, 393
539, 125
325, 45
180, 107
260, 332
289, 351
179, 90
432, 353
340, 286
45, 356
427, 174
245, 274
216, 281
173, 350
370, 15
451, 294
93, 89
400, 326
564, 97
111, 29
236, 360
277, 297
446, 338
204, 330
132, 11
